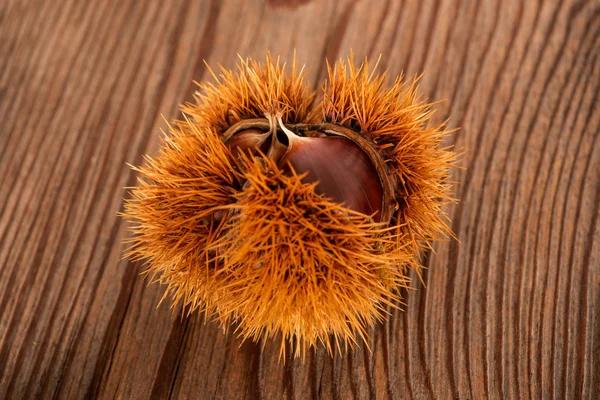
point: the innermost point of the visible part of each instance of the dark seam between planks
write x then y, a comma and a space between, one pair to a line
219, 382
253, 358
316, 383
321, 380
167, 369
288, 375
335, 375
351, 372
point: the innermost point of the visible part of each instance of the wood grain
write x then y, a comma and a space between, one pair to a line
510, 310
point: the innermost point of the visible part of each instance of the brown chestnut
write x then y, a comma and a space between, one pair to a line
345, 168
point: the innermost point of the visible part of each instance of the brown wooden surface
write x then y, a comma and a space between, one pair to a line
512, 310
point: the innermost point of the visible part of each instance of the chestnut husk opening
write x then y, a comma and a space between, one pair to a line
232, 139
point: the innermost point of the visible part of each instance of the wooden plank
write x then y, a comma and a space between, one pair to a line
511, 309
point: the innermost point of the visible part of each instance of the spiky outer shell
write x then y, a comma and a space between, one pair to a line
258, 248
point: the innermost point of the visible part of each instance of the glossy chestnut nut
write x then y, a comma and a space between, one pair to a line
344, 165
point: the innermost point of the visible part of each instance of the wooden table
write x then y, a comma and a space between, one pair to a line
510, 310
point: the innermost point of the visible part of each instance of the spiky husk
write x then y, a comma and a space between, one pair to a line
297, 264
398, 123
175, 210
253, 91
258, 248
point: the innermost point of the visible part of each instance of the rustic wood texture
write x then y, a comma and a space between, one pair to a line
511, 310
